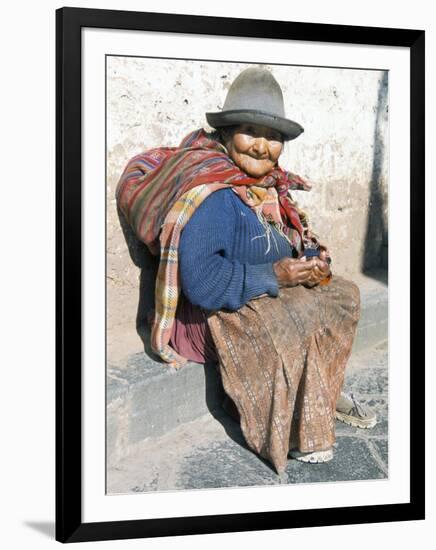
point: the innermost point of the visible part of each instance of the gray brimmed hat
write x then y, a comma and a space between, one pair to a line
255, 97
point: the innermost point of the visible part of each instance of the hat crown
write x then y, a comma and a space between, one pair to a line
255, 88
255, 97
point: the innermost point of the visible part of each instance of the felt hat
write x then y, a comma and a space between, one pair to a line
255, 97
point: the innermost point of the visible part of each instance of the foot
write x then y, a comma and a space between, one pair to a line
315, 457
350, 411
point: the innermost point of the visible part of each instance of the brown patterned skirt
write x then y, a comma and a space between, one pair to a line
282, 361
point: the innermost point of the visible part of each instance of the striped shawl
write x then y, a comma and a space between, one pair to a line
160, 190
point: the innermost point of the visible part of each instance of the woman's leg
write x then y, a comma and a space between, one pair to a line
328, 349
282, 362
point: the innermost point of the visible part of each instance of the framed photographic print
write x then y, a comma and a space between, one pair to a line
239, 324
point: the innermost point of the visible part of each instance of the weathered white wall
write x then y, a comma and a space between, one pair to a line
343, 151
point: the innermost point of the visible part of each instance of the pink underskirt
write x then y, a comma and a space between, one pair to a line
191, 337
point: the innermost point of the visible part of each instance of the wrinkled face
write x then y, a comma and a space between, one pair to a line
254, 148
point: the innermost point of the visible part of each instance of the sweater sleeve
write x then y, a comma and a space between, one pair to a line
208, 277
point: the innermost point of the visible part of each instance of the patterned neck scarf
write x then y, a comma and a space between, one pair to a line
268, 196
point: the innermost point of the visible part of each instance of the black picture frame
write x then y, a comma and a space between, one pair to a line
69, 525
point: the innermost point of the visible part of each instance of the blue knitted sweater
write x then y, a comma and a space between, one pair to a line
224, 261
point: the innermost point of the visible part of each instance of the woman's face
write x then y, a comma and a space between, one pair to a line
254, 148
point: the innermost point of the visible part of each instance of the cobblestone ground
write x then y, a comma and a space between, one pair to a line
210, 452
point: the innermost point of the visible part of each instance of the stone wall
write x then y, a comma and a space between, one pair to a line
343, 151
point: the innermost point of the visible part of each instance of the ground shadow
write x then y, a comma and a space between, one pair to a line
224, 410
375, 257
47, 528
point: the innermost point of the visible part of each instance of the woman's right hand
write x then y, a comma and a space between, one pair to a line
293, 272
321, 271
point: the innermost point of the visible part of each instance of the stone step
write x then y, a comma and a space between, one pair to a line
147, 398
211, 452
373, 324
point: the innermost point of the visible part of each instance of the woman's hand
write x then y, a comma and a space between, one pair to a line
324, 253
293, 272
320, 271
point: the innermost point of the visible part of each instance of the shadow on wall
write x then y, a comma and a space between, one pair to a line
148, 264
375, 256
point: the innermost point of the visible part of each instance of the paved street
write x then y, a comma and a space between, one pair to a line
210, 452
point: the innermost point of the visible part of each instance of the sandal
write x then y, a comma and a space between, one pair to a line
350, 411
314, 457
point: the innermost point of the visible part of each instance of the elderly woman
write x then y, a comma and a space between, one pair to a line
242, 280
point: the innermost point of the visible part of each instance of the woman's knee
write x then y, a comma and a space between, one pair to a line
350, 295
354, 297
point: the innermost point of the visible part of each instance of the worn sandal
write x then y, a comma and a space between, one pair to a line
350, 411
314, 457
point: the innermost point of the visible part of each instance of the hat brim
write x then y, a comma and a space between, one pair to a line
288, 128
